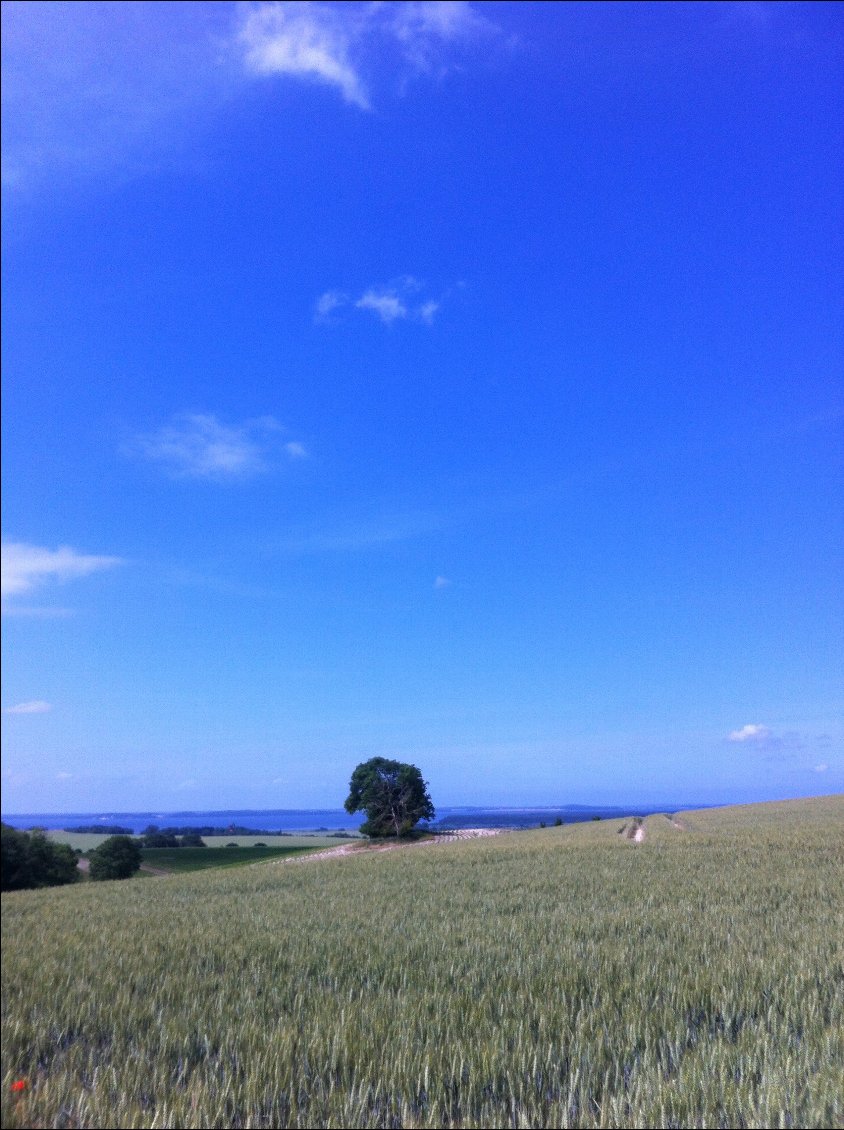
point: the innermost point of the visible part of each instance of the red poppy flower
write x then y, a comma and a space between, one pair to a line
19, 1085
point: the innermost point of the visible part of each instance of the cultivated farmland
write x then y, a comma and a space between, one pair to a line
565, 977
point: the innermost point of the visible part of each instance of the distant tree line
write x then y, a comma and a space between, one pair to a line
207, 830
29, 860
171, 838
101, 830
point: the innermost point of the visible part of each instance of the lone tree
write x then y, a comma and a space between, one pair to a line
118, 857
392, 794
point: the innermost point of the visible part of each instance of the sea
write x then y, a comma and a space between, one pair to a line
292, 820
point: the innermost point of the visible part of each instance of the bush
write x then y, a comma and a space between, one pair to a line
191, 839
29, 860
159, 840
118, 857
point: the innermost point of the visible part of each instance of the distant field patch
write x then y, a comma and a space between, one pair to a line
200, 859
310, 841
88, 841
83, 841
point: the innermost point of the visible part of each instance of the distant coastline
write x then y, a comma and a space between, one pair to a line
330, 819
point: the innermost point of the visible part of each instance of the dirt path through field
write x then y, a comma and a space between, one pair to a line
368, 848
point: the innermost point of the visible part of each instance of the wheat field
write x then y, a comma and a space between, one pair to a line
564, 977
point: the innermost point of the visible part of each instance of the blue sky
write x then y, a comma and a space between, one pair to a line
457, 383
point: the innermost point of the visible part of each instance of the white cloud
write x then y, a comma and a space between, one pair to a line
337, 45
198, 446
386, 304
400, 300
304, 40
64, 776
753, 732
822, 768
327, 303
37, 706
427, 311
24, 567
442, 583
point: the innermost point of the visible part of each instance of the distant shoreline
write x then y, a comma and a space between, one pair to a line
277, 821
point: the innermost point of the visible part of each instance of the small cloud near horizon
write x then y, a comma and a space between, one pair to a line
37, 706
822, 768
26, 567
754, 732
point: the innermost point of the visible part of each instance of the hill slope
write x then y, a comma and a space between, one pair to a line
561, 977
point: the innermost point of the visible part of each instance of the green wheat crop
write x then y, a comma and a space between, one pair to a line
566, 977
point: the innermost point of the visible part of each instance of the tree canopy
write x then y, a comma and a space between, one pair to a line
29, 859
118, 857
392, 794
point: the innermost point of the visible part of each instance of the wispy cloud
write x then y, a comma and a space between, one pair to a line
37, 612
404, 299
425, 29
367, 533
754, 733
37, 706
94, 88
344, 45
327, 303
26, 567
93, 91
821, 768
97, 90
442, 583
305, 41
198, 446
